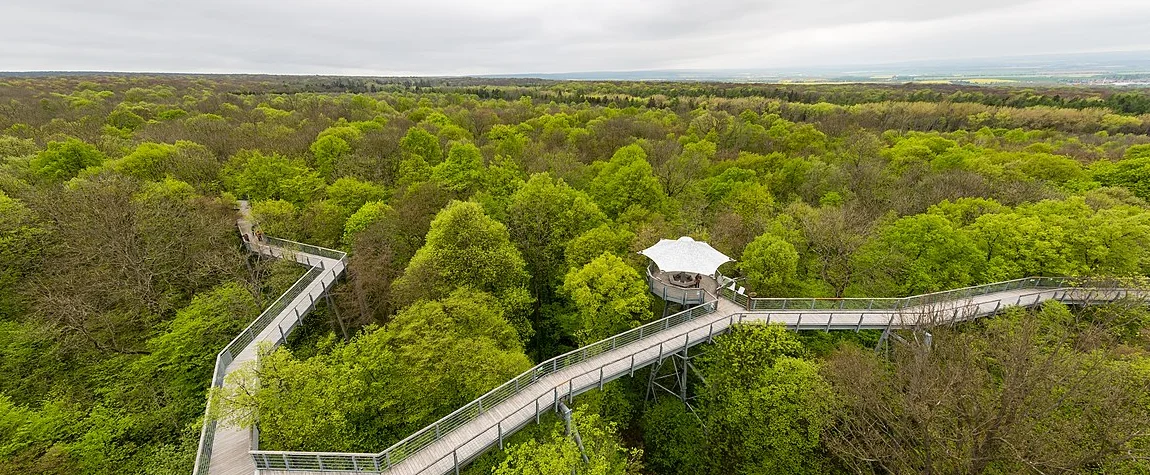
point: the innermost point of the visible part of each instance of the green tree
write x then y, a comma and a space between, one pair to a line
260, 177
466, 248
673, 439
463, 169
420, 142
765, 407
328, 150
610, 297
627, 180
63, 160
369, 213
919, 254
350, 193
587, 246
22, 245
457, 348
770, 263
544, 215
277, 218
560, 454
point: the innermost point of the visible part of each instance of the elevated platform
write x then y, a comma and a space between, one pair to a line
454, 440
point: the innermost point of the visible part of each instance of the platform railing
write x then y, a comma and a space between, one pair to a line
756, 303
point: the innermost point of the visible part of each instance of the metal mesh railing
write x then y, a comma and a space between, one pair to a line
754, 303
305, 248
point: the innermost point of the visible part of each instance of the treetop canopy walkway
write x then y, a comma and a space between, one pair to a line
449, 443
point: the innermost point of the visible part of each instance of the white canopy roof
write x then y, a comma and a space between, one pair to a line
685, 255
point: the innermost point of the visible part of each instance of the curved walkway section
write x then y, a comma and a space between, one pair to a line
446, 445
225, 450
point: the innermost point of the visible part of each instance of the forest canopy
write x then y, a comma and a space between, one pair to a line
493, 224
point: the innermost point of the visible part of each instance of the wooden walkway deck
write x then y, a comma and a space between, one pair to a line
489, 429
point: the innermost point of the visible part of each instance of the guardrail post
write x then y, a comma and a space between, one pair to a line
769, 315
799, 322
480, 401
869, 304
829, 319
785, 304
319, 460
859, 326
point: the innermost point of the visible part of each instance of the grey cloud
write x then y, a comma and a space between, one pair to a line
501, 36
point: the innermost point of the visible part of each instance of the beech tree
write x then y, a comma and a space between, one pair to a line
465, 248
610, 297
770, 264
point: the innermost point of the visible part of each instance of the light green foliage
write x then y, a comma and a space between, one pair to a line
965, 211
918, 254
351, 193
457, 348
413, 169
125, 119
1132, 173
15, 147
593, 243
187, 161
683, 170
610, 296
770, 264
259, 177
420, 142
277, 218
917, 148
178, 358
1062, 238
627, 180
322, 222
544, 215
64, 160
21, 247
466, 248
673, 438
369, 213
463, 169
328, 150
509, 141
559, 453
764, 406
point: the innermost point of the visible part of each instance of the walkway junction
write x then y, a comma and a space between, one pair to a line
682, 271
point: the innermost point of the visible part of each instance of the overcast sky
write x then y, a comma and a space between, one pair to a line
455, 37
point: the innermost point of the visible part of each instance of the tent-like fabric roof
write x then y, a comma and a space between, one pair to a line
685, 255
